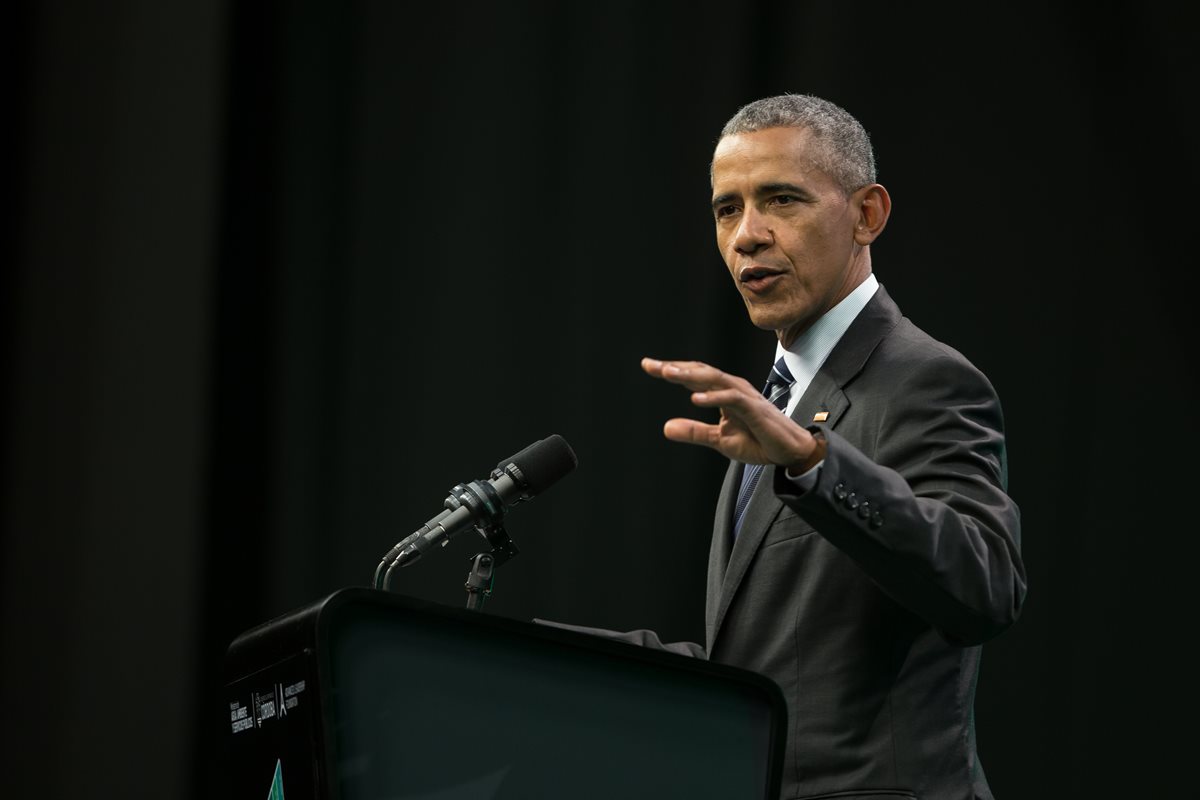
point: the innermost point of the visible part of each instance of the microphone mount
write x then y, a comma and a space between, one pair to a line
488, 508
482, 505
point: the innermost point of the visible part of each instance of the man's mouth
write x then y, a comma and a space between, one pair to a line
758, 279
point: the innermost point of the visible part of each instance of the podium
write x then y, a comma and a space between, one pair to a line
371, 695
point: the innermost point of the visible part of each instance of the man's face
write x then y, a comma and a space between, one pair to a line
785, 229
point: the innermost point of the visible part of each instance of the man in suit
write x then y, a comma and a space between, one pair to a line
875, 548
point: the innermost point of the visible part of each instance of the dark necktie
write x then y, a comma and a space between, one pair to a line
779, 383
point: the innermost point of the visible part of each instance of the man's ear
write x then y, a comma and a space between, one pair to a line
874, 206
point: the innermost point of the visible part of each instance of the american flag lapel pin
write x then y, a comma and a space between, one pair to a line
820, 416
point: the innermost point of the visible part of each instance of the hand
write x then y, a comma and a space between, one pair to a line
751, 429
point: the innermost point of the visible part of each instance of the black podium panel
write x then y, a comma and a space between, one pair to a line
372, 695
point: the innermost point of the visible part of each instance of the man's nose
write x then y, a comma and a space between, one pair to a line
752, 233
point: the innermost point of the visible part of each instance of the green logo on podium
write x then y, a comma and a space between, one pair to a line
276, 792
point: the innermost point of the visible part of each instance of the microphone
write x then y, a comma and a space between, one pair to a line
482, 504
452, 503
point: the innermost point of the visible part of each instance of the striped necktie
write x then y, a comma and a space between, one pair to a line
779, 384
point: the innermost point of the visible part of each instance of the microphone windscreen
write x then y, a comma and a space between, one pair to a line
543, 463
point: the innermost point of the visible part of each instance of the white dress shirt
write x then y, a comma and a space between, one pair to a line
811, 348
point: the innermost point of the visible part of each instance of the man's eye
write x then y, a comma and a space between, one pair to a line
726, 211
784, 199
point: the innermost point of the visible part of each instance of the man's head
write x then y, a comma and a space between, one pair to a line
796, 206
842, 148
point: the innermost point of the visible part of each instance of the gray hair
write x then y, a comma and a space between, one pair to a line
844, 153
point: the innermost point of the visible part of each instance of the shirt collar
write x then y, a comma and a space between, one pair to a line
811, 348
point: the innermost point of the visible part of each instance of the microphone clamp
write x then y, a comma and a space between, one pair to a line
487, 508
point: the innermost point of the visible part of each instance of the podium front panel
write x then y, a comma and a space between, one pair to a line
410, 701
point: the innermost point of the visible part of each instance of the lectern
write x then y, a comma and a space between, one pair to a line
368, 695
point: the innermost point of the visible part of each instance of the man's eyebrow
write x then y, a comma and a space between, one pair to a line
773, 188
764, 189
722, 199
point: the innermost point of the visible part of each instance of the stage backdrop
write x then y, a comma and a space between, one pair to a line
287, 272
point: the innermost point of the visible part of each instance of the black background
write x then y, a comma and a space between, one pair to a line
278, 275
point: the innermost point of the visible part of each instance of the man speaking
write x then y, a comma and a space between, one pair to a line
864, 544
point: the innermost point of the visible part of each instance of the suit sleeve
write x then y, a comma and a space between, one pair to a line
928, 519
641, 638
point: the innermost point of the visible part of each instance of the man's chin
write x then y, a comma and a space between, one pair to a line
786, 327
766, 320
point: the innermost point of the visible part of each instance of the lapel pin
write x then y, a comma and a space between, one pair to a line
820, 416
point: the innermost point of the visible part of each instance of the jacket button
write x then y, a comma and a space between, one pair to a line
876, 520
864, 510
839, 491
851, 501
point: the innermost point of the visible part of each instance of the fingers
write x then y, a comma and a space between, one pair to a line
695, 375
652, 367
751, 429
737, 399
733, 444
689, 431
663, 369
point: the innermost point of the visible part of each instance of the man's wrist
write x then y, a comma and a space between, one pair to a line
815, 457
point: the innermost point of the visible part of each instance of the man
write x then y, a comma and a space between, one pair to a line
876, 549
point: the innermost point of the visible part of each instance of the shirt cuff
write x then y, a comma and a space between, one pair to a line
805, 480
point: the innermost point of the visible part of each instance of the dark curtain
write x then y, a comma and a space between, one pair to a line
306, 266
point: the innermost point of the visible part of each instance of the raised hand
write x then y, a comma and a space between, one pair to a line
751, 429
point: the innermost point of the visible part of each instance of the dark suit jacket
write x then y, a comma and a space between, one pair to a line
866, 598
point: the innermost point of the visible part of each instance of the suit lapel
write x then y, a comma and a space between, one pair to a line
722, 541
728, 564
